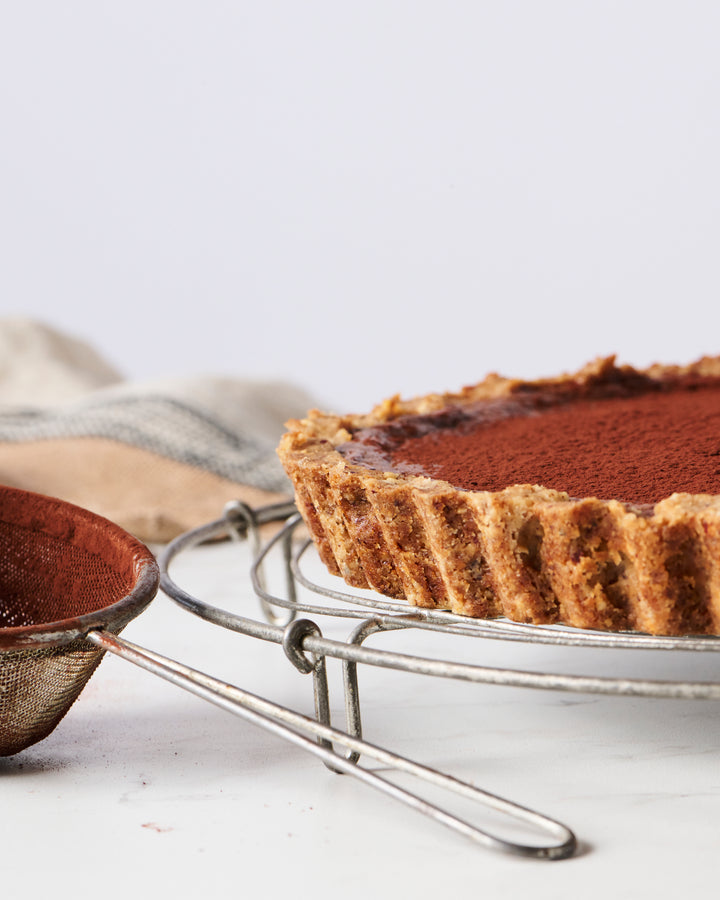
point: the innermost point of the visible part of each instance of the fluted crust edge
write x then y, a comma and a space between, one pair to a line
527, 552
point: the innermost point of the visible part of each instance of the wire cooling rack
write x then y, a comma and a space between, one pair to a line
286, 621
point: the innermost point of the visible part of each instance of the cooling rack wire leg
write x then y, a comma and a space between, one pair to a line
243, 522
306, 662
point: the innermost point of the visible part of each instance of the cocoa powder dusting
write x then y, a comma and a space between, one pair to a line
639, 449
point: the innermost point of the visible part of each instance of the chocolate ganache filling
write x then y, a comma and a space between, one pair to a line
640, 447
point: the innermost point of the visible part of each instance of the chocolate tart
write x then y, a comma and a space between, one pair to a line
590, 500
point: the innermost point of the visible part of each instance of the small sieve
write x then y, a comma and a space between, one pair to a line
63, 572
70, 581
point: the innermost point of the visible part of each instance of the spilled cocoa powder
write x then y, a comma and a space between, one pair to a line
638, 448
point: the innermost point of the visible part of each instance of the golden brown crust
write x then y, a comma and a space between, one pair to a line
526, 552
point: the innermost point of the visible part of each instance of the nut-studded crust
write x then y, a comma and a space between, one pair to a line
526, 552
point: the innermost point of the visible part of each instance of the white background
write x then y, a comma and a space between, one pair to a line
363, 197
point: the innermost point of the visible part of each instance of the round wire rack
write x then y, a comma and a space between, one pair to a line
286, 621
376, 614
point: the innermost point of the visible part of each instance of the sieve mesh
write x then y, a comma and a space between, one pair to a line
38, 688
63, 572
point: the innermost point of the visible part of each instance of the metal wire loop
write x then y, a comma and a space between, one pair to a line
293, 637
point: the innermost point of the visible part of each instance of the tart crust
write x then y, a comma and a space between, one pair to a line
527, 552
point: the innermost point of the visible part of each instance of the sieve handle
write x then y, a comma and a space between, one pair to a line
304, 731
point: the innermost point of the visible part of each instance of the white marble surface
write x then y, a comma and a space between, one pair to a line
144, 788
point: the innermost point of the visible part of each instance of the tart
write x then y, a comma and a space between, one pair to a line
590, 500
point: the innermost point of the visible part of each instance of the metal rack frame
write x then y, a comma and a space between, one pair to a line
308, 649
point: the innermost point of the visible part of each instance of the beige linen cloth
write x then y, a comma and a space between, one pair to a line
158, 457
